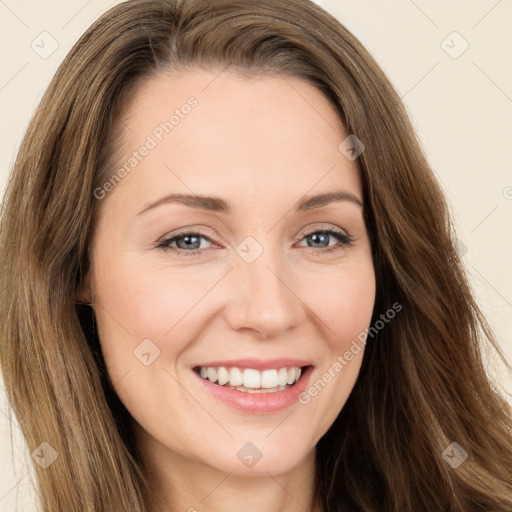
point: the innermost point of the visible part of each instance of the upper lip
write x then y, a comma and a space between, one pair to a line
258, 364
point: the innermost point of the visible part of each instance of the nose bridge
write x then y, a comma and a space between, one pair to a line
263, 300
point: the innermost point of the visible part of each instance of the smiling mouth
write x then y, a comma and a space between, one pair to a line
250, 380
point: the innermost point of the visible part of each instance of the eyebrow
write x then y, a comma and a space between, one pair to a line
216, 204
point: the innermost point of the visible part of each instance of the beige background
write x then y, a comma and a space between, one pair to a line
460, 103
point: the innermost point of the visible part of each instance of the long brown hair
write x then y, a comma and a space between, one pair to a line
422, 384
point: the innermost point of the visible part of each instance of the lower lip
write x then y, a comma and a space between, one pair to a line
259, 403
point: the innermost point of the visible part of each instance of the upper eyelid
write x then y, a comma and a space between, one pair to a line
326, 227
190, 231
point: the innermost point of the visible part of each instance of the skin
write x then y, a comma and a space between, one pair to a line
261, 144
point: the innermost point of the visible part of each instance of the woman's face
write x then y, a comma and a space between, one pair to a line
250, 280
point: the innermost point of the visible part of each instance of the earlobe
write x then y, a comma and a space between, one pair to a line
84, 295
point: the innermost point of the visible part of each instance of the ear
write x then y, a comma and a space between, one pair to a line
84, 294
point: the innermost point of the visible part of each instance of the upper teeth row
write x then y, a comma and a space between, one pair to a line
251, 378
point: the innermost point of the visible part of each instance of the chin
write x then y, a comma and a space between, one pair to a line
251, 460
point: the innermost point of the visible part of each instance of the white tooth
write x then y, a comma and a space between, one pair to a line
282, 377
222, 375
269, 379
235, 377
251, 378
212, 374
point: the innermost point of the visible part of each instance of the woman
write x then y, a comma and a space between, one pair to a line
257, 371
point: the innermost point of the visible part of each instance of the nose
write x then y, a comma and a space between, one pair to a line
263, 297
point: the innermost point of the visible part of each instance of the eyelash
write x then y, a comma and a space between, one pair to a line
344, 239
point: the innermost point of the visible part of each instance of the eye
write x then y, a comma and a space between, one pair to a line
189, 242
320, 236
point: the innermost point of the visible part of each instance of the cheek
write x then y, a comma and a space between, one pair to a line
344, 301
137, 302
139, 311
344, 306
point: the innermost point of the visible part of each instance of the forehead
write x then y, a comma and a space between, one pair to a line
245, 133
